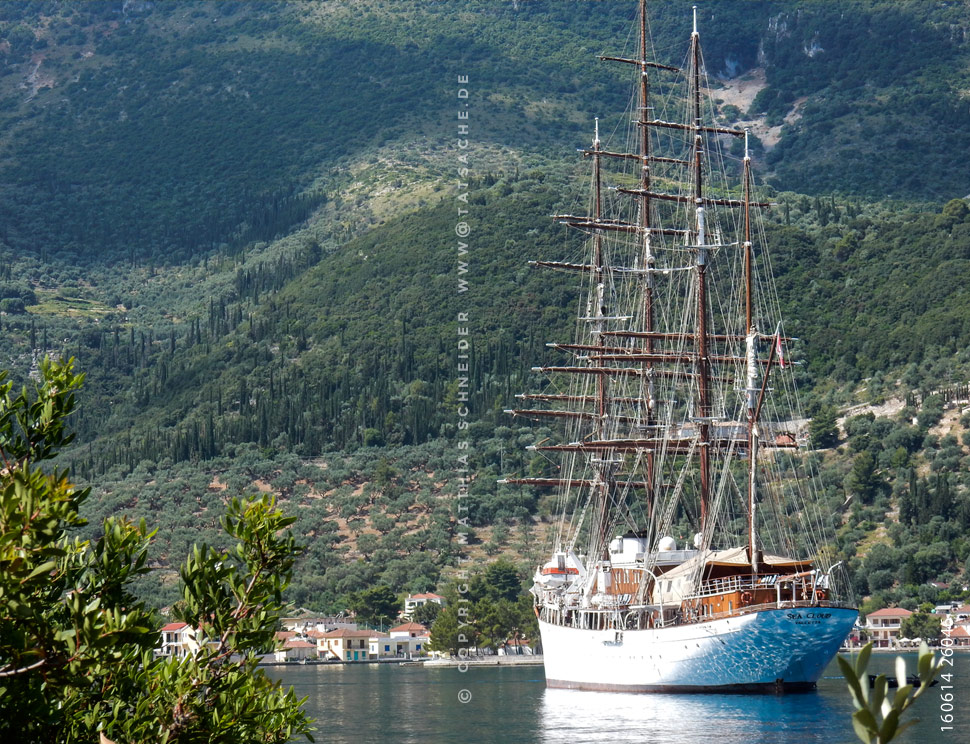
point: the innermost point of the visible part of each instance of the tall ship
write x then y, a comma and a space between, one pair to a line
690, 552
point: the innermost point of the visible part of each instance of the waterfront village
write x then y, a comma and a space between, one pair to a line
884, 628
306, 638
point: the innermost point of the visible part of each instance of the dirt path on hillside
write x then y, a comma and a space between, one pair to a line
741, 92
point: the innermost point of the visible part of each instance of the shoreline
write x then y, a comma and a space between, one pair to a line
532, 660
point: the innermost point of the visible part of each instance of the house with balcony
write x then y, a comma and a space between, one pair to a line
882, 626
960, 614
345, 645
959, 635
409, 639
178, 640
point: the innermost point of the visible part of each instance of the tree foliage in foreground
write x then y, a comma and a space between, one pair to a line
76, 647
877, 716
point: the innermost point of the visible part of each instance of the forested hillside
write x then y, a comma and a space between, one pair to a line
238, 217
287, 386
140, 130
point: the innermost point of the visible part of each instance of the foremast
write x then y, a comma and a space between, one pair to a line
603, 460
603, 467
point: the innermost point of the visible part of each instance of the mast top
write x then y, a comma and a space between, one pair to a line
695, 20
596, 135
746, 133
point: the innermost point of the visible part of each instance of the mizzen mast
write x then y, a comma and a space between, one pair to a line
751, 341
602, 466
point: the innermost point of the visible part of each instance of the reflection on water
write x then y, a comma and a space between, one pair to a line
358, 704
823, 716
573, 715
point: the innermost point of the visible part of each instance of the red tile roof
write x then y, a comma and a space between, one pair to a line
890, 612
409, 628
427, 595
174, 626
345, 633
296, 643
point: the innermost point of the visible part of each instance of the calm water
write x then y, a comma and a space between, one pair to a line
398, 705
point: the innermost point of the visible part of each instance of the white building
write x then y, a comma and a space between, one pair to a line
178, 640
296, 649
414, 601
882, 626
409, 639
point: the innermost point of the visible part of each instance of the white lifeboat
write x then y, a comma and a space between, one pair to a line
563, 568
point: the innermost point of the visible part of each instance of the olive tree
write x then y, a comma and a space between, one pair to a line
77, 658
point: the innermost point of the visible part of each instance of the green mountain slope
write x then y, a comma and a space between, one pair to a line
240, 218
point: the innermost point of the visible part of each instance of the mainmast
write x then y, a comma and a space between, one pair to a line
644, 223
703, 369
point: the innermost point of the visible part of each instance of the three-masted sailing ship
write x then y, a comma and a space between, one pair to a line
678, 417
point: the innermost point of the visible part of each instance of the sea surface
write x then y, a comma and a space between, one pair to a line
360, 704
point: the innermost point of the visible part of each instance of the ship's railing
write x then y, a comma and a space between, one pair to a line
644, 616
751, 582
587, 618
713, 587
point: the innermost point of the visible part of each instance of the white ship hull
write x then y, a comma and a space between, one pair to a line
772, 650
